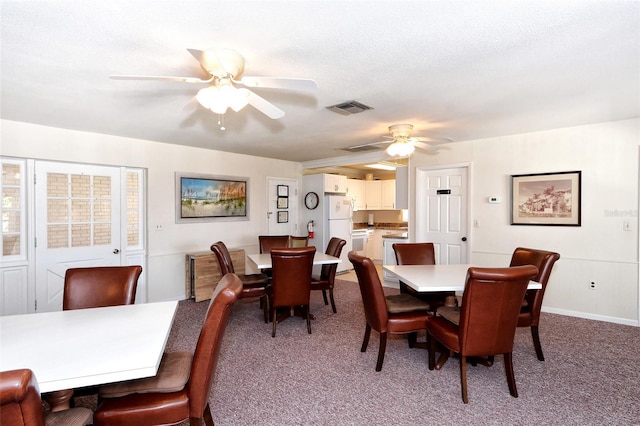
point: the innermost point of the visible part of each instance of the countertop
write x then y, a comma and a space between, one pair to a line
398, 236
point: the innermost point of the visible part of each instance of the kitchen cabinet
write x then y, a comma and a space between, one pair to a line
388, 194
389, 256
356, 190
373, 194
335, 183
375, 245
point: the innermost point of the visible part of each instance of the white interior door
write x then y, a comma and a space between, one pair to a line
441, 212
282, 207
77, 224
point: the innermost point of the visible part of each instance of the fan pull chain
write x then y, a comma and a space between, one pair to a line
221, 122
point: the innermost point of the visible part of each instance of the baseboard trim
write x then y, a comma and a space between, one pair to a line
586, 315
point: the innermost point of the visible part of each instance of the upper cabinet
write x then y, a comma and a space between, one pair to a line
388, 194
355, 190
373, 192
327, 183
335, 184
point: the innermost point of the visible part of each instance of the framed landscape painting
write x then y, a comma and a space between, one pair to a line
546, 199
201, 198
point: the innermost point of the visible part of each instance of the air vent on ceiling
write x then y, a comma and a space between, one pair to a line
348, 108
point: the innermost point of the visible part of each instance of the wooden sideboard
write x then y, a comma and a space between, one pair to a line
203, 272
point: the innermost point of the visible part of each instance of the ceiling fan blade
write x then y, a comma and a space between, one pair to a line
262, 105
432, 140
279, 83
425, 146
208, 60
369, 144
160, 78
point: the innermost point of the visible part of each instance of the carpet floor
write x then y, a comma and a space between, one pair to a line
589, 376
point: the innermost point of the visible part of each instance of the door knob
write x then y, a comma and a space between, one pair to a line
464, 238
116, 251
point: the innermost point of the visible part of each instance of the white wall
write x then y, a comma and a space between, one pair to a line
599, 250
166, 249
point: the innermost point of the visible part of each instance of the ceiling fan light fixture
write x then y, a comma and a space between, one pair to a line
400, 149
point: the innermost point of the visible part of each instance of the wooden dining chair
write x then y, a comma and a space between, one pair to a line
393, 314
95, 287
180, 390
421, 254
291, 281
302, 241
530, 310
326, 280
268, 242
100, 286
488, 318
253, 285
20, 403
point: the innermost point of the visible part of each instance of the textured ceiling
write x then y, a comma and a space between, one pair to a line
458, 69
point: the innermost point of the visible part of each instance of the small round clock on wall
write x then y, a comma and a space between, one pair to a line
311, 200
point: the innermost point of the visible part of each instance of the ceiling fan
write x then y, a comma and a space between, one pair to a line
402, 144
225, 68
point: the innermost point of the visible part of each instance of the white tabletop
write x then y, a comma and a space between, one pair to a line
436, 277
263, 260
85, 347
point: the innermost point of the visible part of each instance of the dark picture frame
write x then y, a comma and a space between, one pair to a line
205, 198
283, 190
283, 217
549, 199
283, 202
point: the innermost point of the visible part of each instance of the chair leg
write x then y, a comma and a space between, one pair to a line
333, 302
511, 380
306, 308
536, 342
412, 338
463, 378
274, 320
381, 350
208, 419
431, 345
324, 296
365, 341
264, 301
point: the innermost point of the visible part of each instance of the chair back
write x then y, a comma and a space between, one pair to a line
224, 258
375, 305
268, 242
334, 248
100, 286
298, 241
414, 253
20, 402
544, 261
291, 282
205, 356
491, 303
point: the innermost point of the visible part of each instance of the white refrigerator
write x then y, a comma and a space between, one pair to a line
338, 222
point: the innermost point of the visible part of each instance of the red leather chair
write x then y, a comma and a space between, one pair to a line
253, 285
268, 242
488, 318
291, 282
161, 399
420, 254
399, 314
530, 311
100, 286
327, 277
20, 403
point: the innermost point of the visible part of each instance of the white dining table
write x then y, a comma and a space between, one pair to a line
426, 278
87, 347
263, 260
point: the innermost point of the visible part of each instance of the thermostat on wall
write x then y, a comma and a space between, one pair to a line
494, 200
